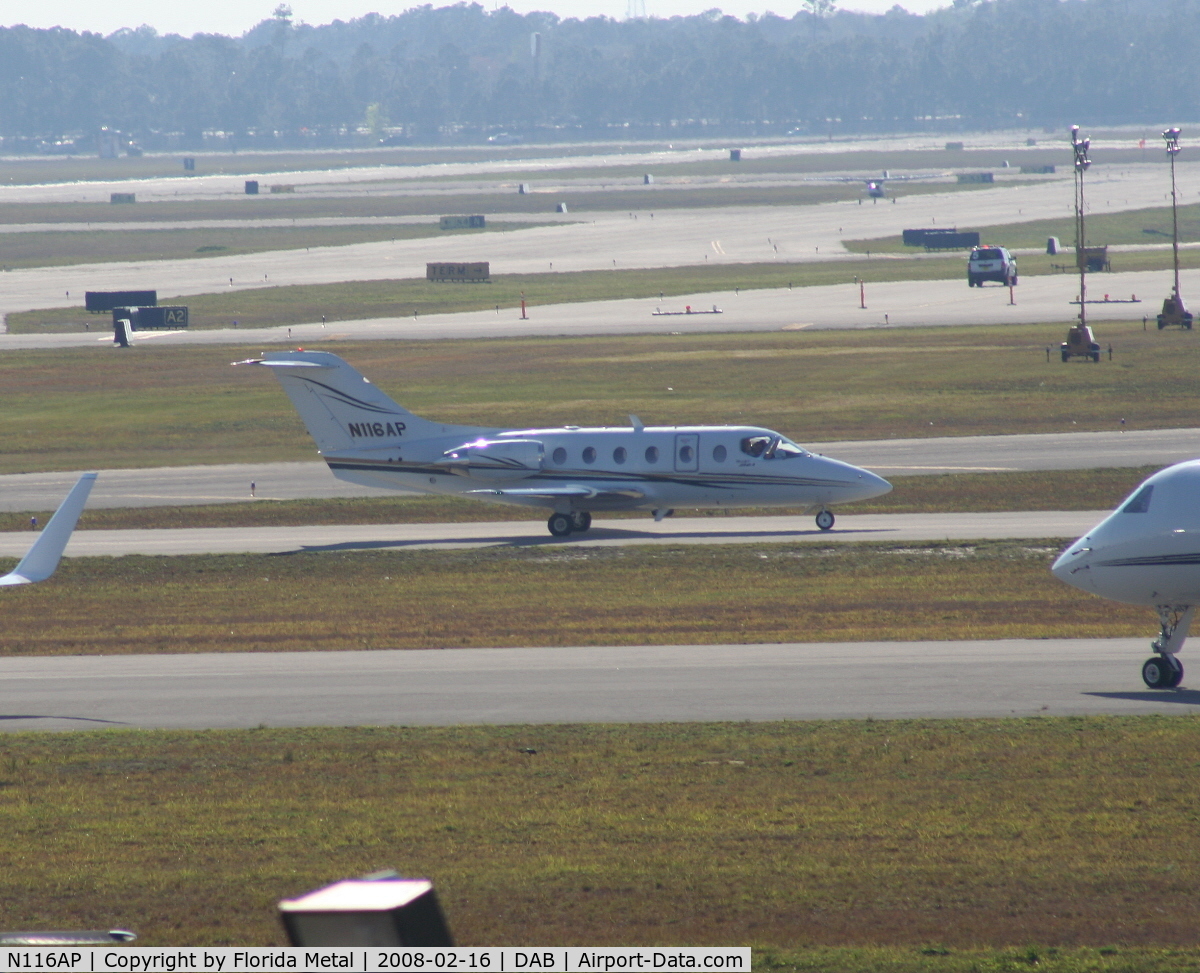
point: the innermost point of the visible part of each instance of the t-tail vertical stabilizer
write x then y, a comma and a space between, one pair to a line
340, 407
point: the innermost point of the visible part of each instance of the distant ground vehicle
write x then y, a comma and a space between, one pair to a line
1080, 343
504, 138
991, 263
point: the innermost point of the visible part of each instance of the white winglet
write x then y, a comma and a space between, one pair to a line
42, 559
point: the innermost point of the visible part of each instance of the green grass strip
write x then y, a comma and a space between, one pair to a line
56, 248
917, 845
406, 297
100, 408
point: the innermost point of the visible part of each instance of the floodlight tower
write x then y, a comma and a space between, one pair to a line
1174, 311
1171, 137
1080, 148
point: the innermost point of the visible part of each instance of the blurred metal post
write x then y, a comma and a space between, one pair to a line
1080, 148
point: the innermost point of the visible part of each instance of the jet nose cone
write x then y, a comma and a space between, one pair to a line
1059, 567
869, 485
879, 486
1072, 564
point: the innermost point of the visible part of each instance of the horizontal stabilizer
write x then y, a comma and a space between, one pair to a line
42, 559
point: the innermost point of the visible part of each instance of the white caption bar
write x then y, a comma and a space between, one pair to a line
486, 959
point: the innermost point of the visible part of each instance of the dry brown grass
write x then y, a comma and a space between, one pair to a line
554, 595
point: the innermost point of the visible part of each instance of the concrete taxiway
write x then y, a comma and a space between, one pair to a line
850, 528
230, 483
884, 680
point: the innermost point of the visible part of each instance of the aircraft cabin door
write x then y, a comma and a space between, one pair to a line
687, 452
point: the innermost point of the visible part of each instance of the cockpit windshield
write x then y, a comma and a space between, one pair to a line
1139, 503
771, 447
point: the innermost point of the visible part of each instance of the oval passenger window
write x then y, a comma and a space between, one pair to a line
589, 455
719, 454
619, 454
560, 456
685, 453
651, 454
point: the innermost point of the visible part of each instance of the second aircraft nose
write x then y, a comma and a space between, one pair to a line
1071, 563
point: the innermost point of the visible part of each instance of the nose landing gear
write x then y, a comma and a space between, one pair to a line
825, 520
1164, 670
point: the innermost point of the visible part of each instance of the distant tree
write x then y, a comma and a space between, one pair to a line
375, 119
983, 62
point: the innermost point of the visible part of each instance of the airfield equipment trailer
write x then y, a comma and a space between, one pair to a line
1080, 343
1174, 314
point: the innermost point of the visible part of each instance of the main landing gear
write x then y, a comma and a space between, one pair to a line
563, 524
1164, 670
825, 520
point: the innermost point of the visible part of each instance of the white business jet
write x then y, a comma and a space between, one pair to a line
42, 559
367, 438
1147, 552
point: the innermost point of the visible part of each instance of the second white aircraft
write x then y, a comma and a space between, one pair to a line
1147, 552
367, 438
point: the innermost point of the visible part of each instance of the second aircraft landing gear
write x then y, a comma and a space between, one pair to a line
1164, 670
561, 525
825, 520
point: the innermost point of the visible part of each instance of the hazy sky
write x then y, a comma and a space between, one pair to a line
235, 16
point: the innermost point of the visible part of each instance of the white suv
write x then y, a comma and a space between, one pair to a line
991, 263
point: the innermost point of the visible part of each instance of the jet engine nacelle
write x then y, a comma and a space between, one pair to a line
495, 459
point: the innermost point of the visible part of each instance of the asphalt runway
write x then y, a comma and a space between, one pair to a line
184, 485
850, 528
634, 684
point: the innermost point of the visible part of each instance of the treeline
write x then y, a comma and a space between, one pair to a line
429, 72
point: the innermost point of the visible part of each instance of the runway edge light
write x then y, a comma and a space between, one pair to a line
378, 910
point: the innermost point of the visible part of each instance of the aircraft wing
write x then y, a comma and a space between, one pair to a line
566, 490
42, 559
